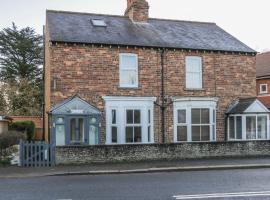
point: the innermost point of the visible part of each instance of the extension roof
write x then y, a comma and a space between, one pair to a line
72, 27
263, 64
248, 105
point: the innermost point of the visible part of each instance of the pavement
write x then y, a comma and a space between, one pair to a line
137, 167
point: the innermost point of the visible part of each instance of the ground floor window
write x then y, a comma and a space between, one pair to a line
194, 119
248, 127
129, 120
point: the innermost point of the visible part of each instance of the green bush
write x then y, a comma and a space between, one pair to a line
11, 138
27, 127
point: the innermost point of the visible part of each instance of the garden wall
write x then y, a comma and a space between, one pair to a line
148, 152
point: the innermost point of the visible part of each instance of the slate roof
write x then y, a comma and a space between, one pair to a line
74, 27
263, 64
240, 106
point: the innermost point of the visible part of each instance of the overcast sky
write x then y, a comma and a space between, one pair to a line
248, 20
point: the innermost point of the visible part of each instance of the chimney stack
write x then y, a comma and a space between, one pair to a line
137, 10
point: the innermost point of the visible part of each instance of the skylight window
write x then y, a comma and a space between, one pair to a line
99, 22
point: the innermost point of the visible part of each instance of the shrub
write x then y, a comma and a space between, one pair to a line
11, 138
27, 127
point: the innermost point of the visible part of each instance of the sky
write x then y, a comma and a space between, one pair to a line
247, 20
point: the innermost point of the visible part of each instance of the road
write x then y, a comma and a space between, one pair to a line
156, 186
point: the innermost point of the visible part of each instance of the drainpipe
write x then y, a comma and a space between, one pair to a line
163, 106
43, 87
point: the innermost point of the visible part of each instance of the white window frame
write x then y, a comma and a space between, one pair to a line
123, 68
189, 72
111, 125
133, 124
121, 104
181, 124
261, 91
188, 104
244, 132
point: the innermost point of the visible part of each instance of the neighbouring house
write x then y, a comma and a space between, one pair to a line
263, 78
4, 122
132, 79
38, 121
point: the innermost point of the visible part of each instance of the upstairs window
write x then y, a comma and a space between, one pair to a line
193, 72
128, 70
263, 88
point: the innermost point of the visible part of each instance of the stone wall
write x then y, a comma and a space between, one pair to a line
133, 153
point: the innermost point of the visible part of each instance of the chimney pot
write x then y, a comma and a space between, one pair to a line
137, 10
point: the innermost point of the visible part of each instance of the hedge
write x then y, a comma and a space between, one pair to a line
27, 127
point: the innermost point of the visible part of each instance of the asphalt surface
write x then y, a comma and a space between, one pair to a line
227, 184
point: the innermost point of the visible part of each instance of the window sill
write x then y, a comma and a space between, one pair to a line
129, 88
194, 89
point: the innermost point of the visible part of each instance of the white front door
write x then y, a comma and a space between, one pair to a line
60, 135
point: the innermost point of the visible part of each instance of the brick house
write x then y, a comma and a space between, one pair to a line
263, 78
134, 79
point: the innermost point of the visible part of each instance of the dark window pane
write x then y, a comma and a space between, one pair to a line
205, 116
239, 127
231, 127
129, 116
137, 134
262, 127
137, 116
251, 127
149, 116
81, 129
181, 133
113, 116
214, 116
114, 134
149, 133
73, 130
196, 133
205, 133
182, 116
129, 134
195, 115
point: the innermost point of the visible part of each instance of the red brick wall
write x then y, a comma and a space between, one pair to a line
93, 72
265, 98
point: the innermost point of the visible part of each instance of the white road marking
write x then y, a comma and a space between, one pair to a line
222, 195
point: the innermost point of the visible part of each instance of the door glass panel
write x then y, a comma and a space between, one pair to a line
81, 130
73, 130
251, 127
60, 135
262, 127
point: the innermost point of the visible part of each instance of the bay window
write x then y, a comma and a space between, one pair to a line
248, 127
194, 119
129, 120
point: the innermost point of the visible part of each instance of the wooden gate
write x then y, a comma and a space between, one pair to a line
37, 154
